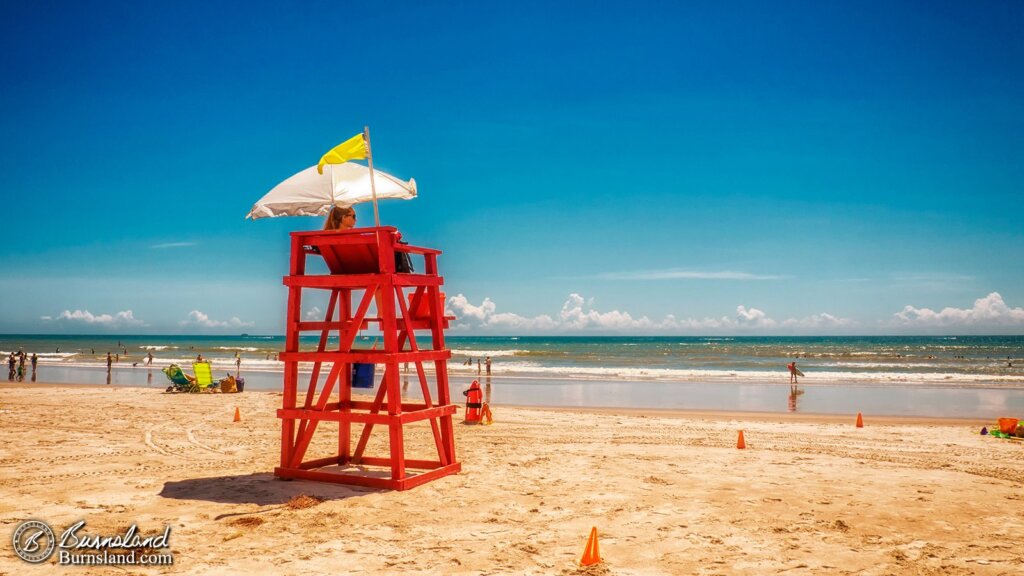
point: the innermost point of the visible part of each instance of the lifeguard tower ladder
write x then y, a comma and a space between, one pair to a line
362, 269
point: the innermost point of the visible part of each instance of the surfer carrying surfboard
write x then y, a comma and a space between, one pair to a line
793, 372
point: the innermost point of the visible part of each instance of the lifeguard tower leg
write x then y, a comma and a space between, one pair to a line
345, 390
391, 381
440, 366
291, 369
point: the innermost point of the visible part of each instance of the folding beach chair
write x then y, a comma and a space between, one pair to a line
180, 382
204, 375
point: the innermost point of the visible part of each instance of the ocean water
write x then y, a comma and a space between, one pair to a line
935, 361
952, 376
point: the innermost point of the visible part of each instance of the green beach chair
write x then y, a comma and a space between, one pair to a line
175, 375
179, 380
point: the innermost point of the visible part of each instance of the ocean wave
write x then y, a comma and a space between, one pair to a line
49, 355
156, 348
238, 348
712, 375
492, 353
877, 374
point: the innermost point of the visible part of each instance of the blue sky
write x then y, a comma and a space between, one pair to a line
587, 167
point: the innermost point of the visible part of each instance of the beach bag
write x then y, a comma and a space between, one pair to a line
403, 263
228, 385
362, 375
240, 383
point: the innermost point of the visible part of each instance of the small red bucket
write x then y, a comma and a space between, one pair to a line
1007, 425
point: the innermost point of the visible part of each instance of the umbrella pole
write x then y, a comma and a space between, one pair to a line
373, 188
332, 187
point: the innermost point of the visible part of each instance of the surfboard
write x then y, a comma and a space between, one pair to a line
798, 372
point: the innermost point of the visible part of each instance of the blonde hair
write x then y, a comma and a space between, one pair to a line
337, 213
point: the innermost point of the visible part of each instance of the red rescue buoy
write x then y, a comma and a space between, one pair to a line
474, 403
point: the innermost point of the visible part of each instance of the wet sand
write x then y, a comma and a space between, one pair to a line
668, 492
900, 400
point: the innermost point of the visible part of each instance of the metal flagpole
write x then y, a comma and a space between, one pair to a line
373, 188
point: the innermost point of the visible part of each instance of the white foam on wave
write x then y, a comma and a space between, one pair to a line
713, 375
534, 370
885, 365
238, 348
482, 353
155, 348
41, 355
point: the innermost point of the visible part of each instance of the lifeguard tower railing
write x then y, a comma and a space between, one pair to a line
361, 265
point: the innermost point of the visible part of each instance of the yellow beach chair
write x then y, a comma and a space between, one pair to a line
204, 375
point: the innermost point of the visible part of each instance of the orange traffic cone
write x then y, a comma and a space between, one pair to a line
238, 415
591, 554
740, 442
860, 420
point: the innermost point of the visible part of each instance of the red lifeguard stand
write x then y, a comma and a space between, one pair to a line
362, 269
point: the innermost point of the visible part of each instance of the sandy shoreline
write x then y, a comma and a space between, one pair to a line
668, 491
897, 401
747, 416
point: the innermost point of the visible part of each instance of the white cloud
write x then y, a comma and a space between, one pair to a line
823, 320
122, 318
173, 245
940, 278
485, 316
200, 319
677, 274
752, 318
314, 314
578, 315
990, 310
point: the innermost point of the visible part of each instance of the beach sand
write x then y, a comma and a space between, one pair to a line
668, 493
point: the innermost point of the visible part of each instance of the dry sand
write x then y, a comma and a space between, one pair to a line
669, 494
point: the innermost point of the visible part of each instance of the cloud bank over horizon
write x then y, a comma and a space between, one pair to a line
122, 319
202, 320
578, 315
988, 311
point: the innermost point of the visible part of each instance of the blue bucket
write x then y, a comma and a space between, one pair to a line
362, 375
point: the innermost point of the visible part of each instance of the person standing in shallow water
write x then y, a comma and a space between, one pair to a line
792, 372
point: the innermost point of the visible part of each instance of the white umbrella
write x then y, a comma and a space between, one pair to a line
311, 194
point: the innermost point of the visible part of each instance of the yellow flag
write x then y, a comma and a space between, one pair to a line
352, 149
